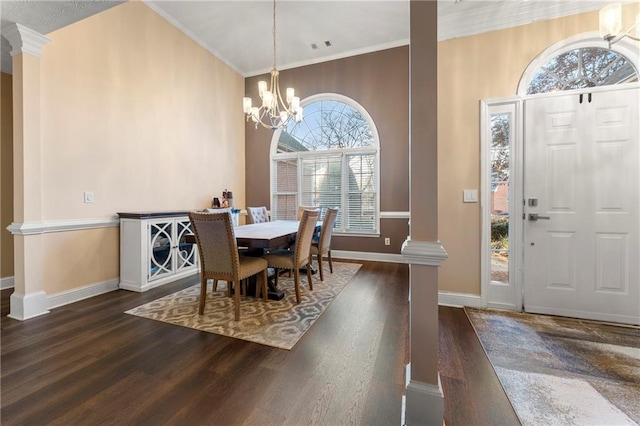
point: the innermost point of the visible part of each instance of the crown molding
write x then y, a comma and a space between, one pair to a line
24, 40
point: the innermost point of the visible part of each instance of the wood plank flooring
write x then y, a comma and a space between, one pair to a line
89, 363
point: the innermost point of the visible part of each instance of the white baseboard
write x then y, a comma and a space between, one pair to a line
6, 282
77, 294
365, 255
459, 300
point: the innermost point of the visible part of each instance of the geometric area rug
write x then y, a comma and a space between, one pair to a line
277, 323
563, 371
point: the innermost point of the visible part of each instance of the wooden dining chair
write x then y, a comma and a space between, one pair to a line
322, 246
257, 214
219, 258
300, 255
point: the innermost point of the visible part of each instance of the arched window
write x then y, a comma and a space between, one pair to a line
582, 68
579, 62
329, 159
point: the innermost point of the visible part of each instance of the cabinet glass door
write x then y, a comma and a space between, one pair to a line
160, 241
186, 255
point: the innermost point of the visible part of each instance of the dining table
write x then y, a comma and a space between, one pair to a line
266, 235
259, 237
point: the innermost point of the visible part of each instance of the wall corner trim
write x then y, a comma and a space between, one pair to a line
25, 40
429, 253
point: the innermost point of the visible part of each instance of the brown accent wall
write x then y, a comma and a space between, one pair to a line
6, 175
378, 81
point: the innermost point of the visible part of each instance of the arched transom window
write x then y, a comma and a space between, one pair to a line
329, 159
583, 68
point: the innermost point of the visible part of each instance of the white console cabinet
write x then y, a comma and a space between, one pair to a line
154, 250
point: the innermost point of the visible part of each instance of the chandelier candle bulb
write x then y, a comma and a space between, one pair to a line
267, 99
246, 105
290, 93
610, 18
262, 87
295, 104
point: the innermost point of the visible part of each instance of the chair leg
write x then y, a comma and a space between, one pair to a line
215, 285
330, 261
296, 279
309, 275
236, 301
203, 295
258, 286
265, 278
320, 266
275, 280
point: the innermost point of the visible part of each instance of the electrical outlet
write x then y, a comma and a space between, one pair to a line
387, 241
88, 197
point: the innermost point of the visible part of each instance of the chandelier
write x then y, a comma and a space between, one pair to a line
274, 113
610, 20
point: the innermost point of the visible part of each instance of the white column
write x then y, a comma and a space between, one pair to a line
29, 298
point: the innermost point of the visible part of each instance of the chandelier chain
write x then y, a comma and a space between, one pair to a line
273, 32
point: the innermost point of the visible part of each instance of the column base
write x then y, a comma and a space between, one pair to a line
26, 306
424, 404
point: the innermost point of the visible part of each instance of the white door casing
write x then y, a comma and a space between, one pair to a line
581, 162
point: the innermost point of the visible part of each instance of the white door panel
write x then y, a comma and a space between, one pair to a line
581, 165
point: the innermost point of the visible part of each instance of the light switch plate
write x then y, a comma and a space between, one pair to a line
470, 196
88, 197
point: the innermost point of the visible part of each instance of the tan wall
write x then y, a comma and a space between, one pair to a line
6, 176
471, 69
139, 114
379, 82
80, 258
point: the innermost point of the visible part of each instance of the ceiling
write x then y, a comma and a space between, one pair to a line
240, 32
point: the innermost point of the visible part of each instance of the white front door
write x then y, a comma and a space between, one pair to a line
581, 161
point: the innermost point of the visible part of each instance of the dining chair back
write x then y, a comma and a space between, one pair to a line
257, 214
301, 210
323, 245
219, 258
300, 255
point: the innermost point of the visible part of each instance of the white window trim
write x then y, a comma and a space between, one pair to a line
374, 149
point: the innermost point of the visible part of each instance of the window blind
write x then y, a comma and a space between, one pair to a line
284, 203
361, 203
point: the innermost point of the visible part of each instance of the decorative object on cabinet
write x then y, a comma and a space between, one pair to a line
154, 250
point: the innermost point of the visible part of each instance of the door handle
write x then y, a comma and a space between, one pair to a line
535, 216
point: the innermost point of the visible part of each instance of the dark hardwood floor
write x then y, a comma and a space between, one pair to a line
89, 363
